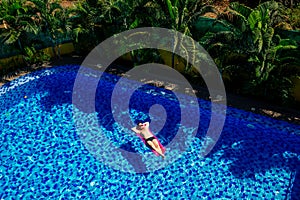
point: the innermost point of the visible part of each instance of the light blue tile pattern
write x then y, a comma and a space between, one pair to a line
42, 156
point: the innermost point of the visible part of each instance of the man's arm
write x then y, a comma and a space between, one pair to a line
147, 124
135, 130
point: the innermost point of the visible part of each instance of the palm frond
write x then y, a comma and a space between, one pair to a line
288, 42
267, 6
254, 18
170, 9
240, 8
10, 37
235, 18
204, 10
268, 36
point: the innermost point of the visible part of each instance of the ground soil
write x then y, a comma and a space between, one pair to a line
233, 100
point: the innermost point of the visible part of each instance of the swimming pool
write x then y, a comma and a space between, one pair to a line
43, 156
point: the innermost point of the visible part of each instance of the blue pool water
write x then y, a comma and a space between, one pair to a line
44, 156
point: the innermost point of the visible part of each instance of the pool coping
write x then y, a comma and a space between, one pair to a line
233, 100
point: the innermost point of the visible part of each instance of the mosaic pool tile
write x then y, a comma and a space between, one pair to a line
43, 155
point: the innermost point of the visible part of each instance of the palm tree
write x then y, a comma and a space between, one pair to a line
30, 24
181, 14
49, 16
20, 30
249, 46
18, 24
88, 20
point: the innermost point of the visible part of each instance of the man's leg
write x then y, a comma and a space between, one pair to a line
155, 142
156, 147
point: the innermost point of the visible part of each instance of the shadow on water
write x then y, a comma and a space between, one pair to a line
57, 89
50, 87
255, 149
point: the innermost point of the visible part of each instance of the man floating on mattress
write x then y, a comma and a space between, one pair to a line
143, 131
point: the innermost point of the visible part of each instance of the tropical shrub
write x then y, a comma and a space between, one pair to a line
250, 51
180, 15
51, 19
293, 15
18, 24
30, 26
82, 21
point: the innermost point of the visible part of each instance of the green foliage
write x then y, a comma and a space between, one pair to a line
81, 23
34, 57
292, 17
251, 52
142, 13
49, 15
17, 21
245, 46
295, 17
91, 22
180, 14
28, 25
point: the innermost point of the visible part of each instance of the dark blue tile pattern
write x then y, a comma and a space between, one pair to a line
42, 155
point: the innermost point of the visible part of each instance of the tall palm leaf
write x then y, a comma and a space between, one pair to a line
49, 16
19, 23
181, 14
250, 32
